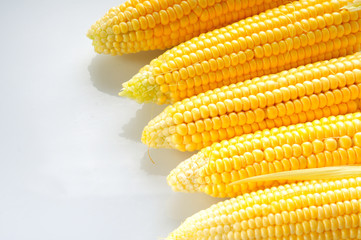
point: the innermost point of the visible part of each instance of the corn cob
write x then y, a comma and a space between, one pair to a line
306, 210
138, 25
327, 142
304, 94
291, 35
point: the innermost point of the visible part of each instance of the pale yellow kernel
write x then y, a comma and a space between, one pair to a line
277, 95
191, 128
357, 139
306, 103
249, 158
296, 150
159, 79
345, 142
164, 18
123, 27
269, 154
281, 109
204, 111
246, 104
135, 24
253, 101
287, 150
216, 178
176, 138
318, 146
259, 115
258, 155
279, 152
187, 115
250, 116
216, 122
213, 111
221, 108
219, 166
181, 129
178, 118
272, 112
197, 138
330, 144
229, 105
259, 53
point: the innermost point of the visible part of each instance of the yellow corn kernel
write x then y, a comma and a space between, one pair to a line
330, 144
345, 142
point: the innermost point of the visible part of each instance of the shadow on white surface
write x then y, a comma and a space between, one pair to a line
164, 160
183, 205
134, 128
109, 72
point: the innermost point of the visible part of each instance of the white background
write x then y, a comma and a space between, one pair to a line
71, 162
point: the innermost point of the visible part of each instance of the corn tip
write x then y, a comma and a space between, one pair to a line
90, 34
140, 89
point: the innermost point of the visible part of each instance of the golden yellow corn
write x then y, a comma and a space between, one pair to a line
327, 142
138, 25
288, 36
306, 210
304, 94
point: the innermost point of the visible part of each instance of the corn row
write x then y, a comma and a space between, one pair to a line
145, 25
306, 210
304, 94
327, 142
282, 38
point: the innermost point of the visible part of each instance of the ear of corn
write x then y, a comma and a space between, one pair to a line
138, 25
306, 210
332, 141
288, 36
304, 94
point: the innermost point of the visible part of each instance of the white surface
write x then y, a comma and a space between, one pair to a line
71, 162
